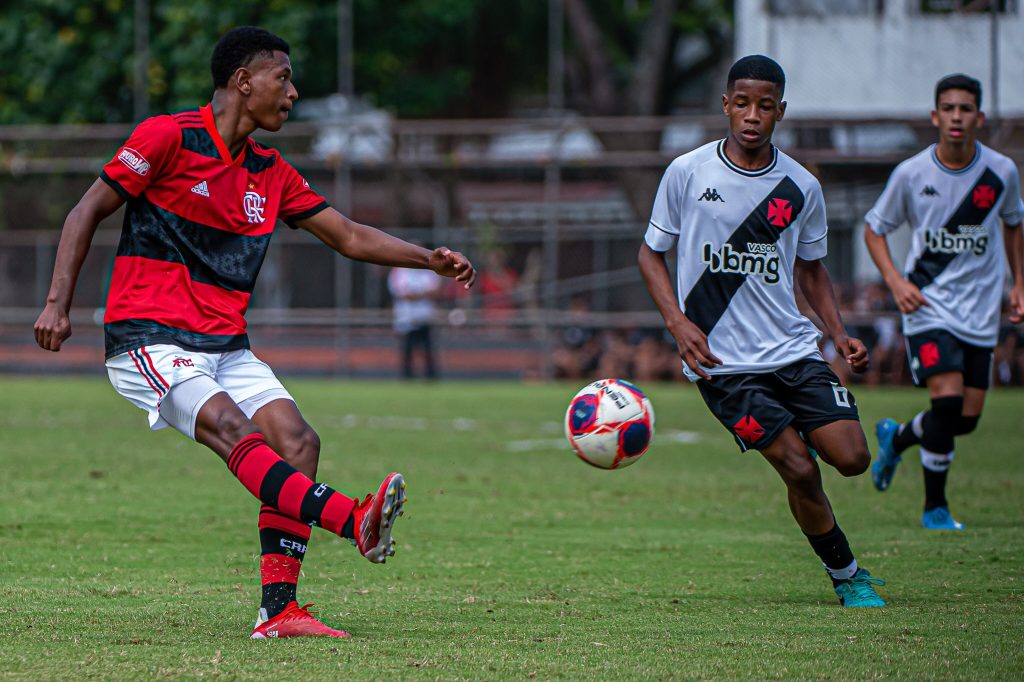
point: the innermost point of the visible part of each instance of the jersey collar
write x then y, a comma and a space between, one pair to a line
211, 127
757, 172
956, 171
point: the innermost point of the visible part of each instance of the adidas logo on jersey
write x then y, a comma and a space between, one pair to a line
929, 191
711, 194
759, 259
201, 189
969, 239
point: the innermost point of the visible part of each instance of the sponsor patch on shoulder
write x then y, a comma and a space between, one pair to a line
134, 160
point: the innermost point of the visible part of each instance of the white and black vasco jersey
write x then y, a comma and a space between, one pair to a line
956, 254
738, 233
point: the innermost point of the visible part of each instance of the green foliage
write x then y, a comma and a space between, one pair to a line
455, 57
67, 61
126, 554
71, 61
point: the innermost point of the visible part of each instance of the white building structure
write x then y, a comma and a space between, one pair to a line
882, 58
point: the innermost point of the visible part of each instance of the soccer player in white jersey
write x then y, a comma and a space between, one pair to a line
952, 195
746, 221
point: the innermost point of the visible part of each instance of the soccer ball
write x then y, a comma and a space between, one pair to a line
609, 423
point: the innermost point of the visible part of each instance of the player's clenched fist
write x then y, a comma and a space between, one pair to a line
907, 296
52, 328
855, 353
693, 347
450, 263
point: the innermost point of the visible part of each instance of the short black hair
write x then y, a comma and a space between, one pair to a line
757, 67
238, 48
959, 81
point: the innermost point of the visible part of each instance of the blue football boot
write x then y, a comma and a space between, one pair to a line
885, 463
940, 519
859, 591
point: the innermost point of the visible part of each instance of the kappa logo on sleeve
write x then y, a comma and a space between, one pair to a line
134, 160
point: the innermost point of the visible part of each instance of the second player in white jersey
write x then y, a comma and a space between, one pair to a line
748, 223
738, 233
957, 256
953, 195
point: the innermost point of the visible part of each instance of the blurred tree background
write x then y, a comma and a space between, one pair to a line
72, 61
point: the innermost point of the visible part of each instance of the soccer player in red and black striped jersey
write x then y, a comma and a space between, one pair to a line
202, 200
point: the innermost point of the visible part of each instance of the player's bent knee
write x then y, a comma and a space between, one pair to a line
233, 426
311, 443
302, 451
853, 463
799, 470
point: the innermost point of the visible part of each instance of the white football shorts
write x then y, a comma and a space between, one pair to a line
172, 384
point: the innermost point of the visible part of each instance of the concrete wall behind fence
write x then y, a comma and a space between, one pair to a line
883, 58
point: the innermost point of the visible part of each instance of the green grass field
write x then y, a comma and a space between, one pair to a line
130, 554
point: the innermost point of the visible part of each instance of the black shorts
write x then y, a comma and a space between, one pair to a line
756, 408
937, 352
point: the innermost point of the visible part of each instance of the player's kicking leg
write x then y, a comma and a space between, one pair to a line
223, 428
292, 501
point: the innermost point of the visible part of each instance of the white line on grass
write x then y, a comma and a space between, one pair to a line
397, 423
686, 437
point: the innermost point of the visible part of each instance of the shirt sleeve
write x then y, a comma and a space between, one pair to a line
813, 243
890, 211
141, 159
298, 200
1012, 210
664, 227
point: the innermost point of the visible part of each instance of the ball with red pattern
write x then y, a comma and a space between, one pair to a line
610, 423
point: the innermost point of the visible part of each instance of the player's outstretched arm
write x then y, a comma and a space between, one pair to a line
365, 243
691, 341
53, 326
908, 297
815, 282
1013, 242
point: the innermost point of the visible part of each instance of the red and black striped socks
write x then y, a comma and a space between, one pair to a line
283, 543
280, 486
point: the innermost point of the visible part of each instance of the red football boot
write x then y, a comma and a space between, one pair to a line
375, 517
294, 621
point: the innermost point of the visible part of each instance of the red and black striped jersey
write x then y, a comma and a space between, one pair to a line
196, 229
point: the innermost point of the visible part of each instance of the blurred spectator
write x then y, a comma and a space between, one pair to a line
656, 357
838, 363
579, 349
888, 352
497, 287
616, 359
415, 292
867, 298
587, 352
1009, 360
